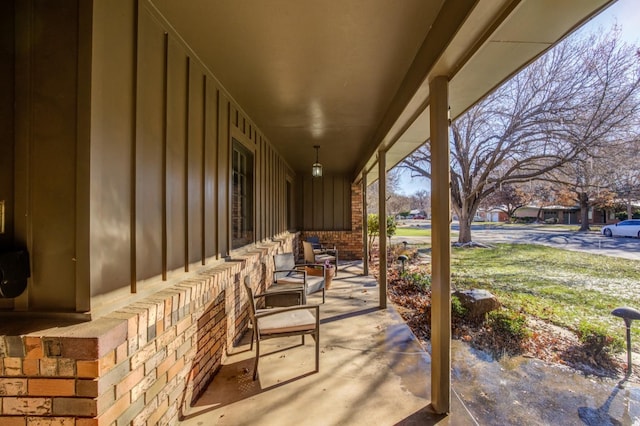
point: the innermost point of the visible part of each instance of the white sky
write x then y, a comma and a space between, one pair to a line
626, 13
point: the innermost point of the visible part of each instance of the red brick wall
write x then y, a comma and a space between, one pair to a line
138, 364
348, 243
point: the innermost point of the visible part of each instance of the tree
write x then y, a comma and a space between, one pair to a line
393, 185
509, 198
580, 95
373, 228
584, 181
397, 203
421, 200
625, 175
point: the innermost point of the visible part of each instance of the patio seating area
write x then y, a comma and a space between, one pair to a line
372, 370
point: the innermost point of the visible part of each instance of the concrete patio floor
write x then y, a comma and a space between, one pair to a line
373, 371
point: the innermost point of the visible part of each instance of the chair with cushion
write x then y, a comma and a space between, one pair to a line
287, 273
315, 242
297, 320
320, 256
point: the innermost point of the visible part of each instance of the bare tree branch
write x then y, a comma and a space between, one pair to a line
576, 100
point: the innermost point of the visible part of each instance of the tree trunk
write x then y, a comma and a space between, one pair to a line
584, 211
464, 234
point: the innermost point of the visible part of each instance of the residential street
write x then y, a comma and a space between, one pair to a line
592, 242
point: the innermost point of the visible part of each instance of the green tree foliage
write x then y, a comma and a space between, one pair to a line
373, 227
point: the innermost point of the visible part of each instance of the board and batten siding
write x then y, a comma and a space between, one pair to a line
122, 155
325, 203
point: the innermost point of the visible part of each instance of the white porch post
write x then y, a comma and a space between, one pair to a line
441, 246
382, 225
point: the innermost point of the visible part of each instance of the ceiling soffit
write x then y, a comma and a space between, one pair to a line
352, 75
308, 73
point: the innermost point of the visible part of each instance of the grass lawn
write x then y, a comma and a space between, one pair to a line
560, 286
413, 232
417, 232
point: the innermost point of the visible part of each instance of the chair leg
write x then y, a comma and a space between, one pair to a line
253, 335
255, 365
317, 337
323, 290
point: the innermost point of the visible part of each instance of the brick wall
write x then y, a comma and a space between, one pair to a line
348, 243
136, 365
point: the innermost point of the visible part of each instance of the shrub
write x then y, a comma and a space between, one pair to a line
510, 324
457, 310
422, 281
595, 340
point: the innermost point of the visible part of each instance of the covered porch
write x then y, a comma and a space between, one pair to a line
158, 152
373, 370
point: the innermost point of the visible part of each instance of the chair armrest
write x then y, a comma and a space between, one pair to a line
274, 292
273, 311
302, 265
294, 271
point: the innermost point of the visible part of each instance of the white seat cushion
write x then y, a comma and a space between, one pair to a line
323, 257
285, 322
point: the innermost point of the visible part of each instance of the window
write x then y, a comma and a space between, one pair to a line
242, 197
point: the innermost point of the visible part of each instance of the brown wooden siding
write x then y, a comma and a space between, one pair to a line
149, 144
325, 203
121, 161
46, 135
7, 68
195, 153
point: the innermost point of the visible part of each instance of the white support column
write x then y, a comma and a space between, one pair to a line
441, 246
365, 227
382, 225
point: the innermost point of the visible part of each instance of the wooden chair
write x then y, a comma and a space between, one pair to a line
287, 273
315, 242
297, 320
320, 256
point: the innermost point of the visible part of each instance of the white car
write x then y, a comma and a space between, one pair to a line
626, 228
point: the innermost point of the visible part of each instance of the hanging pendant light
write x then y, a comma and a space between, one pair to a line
316, 169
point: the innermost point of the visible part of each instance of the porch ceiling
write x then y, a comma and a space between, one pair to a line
352, 75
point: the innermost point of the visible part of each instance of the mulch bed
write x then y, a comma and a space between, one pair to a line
546, 342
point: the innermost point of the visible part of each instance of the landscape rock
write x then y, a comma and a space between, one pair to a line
477, 302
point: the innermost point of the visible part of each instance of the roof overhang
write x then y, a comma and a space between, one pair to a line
353, 76
496, 40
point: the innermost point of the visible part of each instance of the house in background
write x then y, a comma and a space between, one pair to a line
495, 214
154, 153
568, 215
548, 214
417, 214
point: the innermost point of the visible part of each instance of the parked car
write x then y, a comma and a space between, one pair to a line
626, 228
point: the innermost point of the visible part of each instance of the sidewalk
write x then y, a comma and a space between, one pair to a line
524, 391
373, 371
